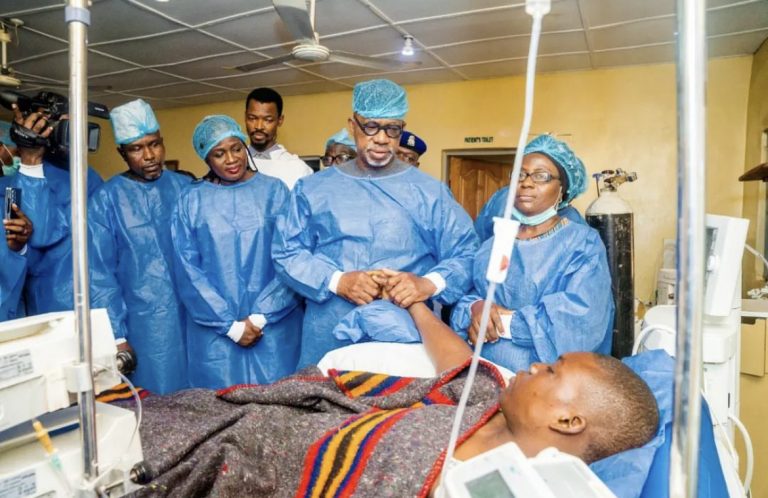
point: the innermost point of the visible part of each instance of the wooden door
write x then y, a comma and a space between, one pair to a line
473, 181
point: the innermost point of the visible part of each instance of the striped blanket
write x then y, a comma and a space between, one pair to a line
348, 434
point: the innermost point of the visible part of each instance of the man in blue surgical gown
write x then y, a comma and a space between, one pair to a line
43, 178
557, 294
131, 252
374, 212
13, 261
243, 324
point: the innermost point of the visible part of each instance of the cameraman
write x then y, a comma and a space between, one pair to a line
44, 179
13, 261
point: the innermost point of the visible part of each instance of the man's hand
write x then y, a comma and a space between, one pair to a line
358, 287
495, 327
124, 346
405, 289
251, 335
37, 122
18, 230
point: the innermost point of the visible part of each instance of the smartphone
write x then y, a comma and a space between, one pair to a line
12, 196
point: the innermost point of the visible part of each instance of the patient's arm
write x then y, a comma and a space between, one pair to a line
446, 349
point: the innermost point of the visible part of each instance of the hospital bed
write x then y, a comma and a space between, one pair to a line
640, 473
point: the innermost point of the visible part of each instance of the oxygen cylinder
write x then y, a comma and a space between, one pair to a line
612, 217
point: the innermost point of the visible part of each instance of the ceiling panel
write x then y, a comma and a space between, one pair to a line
742, 44
132, 48
200, 11
213, 66
512, 47
279, 76
643, 55
57, 66
740, 18
506, 22
634, 34
135, 78
600, 12
102, 29
30, 44
406, 10
175, 91
253, 31
336, 16
169, 48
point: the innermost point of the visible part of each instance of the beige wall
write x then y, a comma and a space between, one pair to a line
754, 390
616, 118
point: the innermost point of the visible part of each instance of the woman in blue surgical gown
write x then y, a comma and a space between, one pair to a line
243, 325
557, 294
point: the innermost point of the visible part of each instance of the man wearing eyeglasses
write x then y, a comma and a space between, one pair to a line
339, 149
370, 227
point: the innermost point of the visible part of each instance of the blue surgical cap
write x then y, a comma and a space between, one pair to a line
413, 142
132, 121
341, 137
212, 130
379, 99
566, 160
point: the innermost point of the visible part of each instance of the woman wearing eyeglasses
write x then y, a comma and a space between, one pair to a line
557, 295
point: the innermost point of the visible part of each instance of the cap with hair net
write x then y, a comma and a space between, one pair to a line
575, 182
341, 137
212, 130
132, 121
379, 99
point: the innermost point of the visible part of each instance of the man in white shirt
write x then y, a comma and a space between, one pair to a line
263, 116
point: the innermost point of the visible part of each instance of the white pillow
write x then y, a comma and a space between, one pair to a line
391, 358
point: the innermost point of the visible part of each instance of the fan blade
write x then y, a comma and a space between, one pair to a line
296, 18
32, 81
383, 63
247, 68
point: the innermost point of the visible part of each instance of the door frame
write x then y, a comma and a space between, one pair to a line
448, 153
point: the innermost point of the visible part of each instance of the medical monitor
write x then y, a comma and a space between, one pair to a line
724, 247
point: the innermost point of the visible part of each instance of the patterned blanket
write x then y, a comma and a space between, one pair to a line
348, 434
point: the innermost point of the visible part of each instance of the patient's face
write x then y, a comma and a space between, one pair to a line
534, 397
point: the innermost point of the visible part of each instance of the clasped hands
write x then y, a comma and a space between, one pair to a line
402, 288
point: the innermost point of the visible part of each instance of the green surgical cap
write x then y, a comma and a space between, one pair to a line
566, 160
379, 99
212, 130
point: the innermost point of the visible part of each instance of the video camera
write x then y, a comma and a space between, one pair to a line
55, 106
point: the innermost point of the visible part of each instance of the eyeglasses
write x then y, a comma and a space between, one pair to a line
371, 128
539, 177
340, 159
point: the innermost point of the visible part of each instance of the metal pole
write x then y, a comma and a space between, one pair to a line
691, 161
78, 19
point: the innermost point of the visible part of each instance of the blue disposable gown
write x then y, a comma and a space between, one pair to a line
337, 222
46, 201
13, 269
558, 286
131, 258
495, 207
222, 236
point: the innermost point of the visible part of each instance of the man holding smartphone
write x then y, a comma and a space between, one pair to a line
13, 261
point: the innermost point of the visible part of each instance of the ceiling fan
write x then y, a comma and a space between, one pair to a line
299, 17
9, 77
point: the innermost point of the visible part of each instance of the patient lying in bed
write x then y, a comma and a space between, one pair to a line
363, 434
